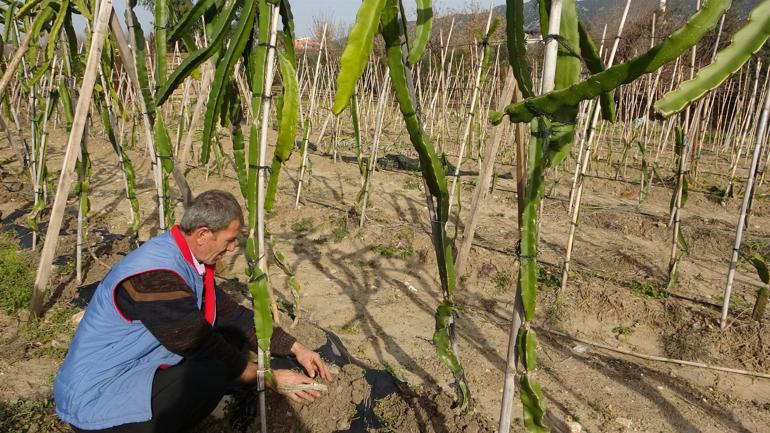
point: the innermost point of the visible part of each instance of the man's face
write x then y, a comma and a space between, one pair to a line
212, 246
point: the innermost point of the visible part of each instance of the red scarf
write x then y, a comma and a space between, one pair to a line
209, 297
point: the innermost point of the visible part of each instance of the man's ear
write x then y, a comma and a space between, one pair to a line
200, 233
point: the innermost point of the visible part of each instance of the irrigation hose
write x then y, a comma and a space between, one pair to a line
657, 358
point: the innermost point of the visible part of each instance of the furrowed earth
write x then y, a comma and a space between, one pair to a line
369, 294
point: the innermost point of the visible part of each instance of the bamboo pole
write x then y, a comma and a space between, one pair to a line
261, 175
509, 381
39, 168
70, 156
744, 127
442, 76
583, 166
208, 77
469, 119
673, 263
155, 162
759, 172
742, 219
381, 104
311, 114
512, 361
119, 142
261, 184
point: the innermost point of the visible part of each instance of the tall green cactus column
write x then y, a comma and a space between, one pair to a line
433, 172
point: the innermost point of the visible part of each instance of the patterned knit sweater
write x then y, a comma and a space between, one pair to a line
165, 304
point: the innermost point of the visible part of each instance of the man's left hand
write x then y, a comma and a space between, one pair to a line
311, 361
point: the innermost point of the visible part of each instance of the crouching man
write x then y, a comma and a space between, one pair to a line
160, 343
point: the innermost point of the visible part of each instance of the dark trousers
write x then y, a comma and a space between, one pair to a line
182, 396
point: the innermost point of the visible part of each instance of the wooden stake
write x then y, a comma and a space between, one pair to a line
70, 156
485, 177
10, 71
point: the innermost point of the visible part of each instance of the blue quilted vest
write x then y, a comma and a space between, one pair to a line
106, 378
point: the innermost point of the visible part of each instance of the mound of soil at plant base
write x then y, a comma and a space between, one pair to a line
362, 399
349, 406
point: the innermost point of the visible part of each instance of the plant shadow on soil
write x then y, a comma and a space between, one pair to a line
649, 383
360, 398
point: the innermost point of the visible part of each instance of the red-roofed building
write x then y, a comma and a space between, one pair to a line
307, 43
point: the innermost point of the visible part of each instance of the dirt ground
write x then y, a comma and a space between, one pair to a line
369, 294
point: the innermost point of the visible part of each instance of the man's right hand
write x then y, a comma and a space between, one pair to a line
285, 377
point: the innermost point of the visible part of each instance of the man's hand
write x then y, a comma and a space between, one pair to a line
288, 378
249, 374
311, 361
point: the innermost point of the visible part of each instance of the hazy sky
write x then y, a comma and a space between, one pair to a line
338, 11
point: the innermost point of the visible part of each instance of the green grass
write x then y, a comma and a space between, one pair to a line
752, 247
400, 246
42, 332
394, 250
411, 184
27, 415
503, 281
547, 278
387, 420
302, 226
17, 278
397, 370
555, 311
648, 289
716, 193
622, 330
68, 268
352, 327
339, 228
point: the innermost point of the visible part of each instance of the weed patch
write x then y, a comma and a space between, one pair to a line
622, 330
716, 194
17, 278
353, 327
27, 415
503, 281
648, 289
302, 226
339, 228
46, 334
686, 343
400, 247
411, 184
393, 250
548, 279
388, 422
556, 309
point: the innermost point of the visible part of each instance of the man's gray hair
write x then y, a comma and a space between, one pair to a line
213, 209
